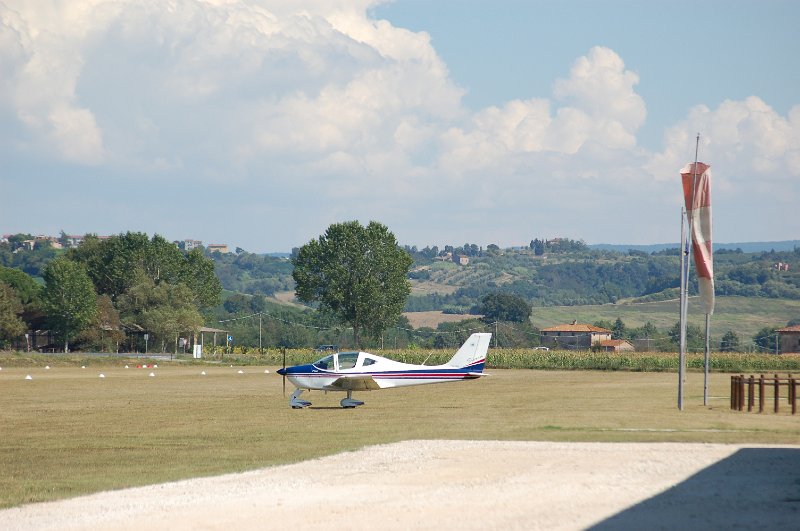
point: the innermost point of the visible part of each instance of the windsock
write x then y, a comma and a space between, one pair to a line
697, 195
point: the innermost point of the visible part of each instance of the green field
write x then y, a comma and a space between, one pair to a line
68, 432
744, 315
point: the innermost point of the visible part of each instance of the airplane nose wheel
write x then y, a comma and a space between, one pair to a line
296, 402
350, 402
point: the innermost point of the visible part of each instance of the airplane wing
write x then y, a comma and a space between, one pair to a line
357, 382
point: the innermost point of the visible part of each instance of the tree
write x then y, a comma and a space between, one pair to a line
766, 339
646, 331
105, 334
504, 307
163, 309
618, 330
11, 325
359, 274
69, 298
197, 272
729, 342
115, 264
695, 337
22, 283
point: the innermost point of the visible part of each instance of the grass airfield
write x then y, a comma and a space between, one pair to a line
68, 432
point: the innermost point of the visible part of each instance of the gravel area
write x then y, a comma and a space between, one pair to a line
464, 485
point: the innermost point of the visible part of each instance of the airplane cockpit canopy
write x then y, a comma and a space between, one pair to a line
346, 360
325, 363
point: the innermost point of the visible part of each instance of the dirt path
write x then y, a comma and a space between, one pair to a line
464, 485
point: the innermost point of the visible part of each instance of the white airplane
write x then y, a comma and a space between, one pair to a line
362, 371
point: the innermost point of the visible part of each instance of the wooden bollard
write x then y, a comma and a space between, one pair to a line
741, 392
751, 393
734, 392
793, 394
777, 393
761, 393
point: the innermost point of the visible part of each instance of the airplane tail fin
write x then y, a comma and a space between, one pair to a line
472, 354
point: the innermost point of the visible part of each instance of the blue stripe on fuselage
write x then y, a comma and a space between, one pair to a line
460, 372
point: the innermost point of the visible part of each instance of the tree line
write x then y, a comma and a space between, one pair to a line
106, 293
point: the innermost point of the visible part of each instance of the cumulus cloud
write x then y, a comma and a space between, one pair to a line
600, 108
322, 106
745, 139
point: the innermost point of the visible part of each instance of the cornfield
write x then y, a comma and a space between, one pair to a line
512, 358
548, 360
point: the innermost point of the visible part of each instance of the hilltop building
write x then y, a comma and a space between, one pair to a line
217, 248
188, 245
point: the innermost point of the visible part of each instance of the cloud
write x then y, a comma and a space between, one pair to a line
746, 139
600, 108
322, 107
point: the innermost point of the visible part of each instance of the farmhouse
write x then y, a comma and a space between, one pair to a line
574, 336
789, 339
615, 345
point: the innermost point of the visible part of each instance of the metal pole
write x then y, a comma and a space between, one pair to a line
706, 360
682, 326
686, 245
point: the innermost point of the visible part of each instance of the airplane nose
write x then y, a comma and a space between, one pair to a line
282, 372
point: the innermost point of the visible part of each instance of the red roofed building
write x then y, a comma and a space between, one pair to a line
615, 345
574, 336
789, 339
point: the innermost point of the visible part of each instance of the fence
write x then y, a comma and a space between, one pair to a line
764, 384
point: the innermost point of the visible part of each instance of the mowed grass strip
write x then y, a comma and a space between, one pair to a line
68, 432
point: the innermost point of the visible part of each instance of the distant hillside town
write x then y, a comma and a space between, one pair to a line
68, 241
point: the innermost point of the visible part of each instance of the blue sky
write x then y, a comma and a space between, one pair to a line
506, 50
259, 123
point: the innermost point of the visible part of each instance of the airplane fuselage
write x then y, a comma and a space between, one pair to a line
384, 372
362, 371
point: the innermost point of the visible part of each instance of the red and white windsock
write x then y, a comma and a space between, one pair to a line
698, 208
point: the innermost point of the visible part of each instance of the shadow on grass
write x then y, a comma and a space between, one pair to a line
753, 488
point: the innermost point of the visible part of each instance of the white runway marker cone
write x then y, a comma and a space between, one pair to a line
29, 377
155, 366
241, 371
152, 374
83, 366
102, 375
126, 366
203, 373
47, 367
266, 371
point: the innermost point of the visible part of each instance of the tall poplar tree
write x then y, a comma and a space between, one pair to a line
68, 299
357, 273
